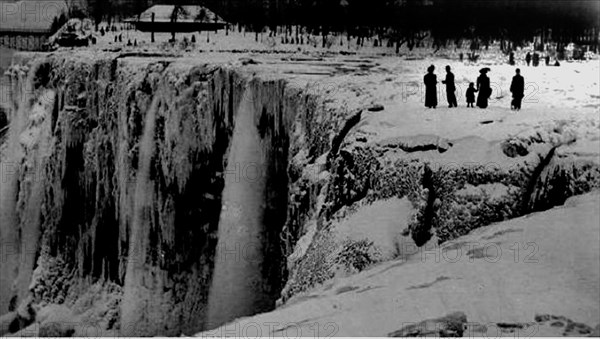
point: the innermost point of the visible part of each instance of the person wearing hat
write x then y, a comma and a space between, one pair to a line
517, 88
430, 81
450, 88
484, 89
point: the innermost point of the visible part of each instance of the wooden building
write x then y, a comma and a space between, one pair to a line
27, 25
169, 18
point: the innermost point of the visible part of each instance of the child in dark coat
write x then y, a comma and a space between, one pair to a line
471, 95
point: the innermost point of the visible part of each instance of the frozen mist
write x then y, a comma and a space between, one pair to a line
236, 288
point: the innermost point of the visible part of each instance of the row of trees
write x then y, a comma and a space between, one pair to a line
510, 21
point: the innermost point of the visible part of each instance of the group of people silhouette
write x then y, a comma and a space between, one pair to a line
484, 90
534, 59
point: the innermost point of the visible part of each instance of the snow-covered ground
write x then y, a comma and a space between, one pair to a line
569, 94
533, 276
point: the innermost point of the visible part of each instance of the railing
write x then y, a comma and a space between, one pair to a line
27, 41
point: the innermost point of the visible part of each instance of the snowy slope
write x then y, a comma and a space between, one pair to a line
543, 264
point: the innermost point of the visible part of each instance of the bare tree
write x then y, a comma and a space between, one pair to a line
178, 13
70, 6
202, 15
75, 9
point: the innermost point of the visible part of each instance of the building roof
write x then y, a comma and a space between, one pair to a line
190, 14
30, 15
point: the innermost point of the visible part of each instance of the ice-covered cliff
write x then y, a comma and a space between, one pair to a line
152, 194
141, 176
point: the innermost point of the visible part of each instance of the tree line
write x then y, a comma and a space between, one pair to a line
512, 22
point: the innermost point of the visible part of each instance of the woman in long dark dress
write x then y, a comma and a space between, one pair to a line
483, 88
430, 81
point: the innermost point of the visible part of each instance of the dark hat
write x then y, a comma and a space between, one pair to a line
484, 70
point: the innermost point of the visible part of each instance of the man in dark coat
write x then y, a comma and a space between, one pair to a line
430, 81
536, 59
450, 88
517, 88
